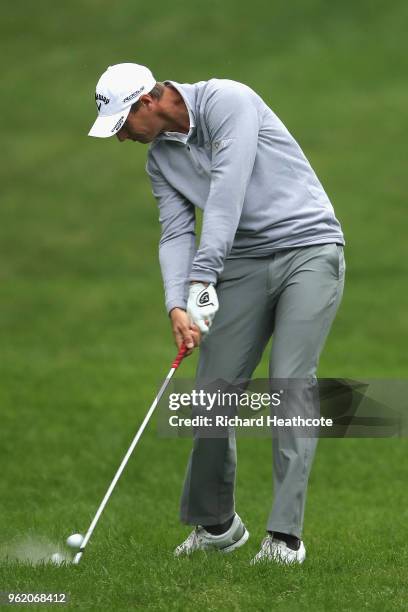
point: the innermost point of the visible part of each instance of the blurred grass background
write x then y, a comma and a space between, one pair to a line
85, 338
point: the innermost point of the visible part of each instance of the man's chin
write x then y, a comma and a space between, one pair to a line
142, 139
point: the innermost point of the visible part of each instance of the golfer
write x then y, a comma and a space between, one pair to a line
269, 262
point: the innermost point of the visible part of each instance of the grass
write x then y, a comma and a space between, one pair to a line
85, 339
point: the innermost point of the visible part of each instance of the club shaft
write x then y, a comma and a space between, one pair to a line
127, 456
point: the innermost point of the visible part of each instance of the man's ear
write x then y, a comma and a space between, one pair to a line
147, 101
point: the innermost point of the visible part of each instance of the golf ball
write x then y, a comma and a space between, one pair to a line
75, 540
57, 558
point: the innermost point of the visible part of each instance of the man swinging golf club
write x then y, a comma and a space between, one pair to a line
269, 263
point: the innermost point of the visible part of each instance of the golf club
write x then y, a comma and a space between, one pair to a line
181, 354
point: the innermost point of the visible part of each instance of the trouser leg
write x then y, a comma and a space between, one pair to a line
306, 305
232, 350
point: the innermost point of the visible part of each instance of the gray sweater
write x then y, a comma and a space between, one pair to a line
242, 167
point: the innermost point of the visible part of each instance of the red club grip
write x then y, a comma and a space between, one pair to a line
180, 355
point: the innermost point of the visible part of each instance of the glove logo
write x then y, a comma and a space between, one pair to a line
204, 299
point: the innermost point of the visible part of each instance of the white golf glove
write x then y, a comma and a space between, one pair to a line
202, 305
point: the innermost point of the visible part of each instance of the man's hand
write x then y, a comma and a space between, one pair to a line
202, 305
184, 330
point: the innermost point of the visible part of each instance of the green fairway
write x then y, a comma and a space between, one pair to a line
85, 339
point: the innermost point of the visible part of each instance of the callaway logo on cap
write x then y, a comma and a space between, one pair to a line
119, 87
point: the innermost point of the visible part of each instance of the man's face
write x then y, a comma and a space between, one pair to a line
143, 125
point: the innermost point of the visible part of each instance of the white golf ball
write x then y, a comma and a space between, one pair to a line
75, 540
57, 558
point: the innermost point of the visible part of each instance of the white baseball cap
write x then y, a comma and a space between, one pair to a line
119, 87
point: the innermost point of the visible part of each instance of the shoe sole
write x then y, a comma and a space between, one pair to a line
275, 561
243, 539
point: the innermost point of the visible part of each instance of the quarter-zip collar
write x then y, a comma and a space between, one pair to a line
179, 136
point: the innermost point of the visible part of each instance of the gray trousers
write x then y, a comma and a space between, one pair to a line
292, 295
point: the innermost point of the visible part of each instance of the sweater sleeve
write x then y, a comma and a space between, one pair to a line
233, 124
177, 242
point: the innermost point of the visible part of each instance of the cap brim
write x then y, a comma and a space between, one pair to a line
108, 125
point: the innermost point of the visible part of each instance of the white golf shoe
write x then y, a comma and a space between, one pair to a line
278, 552
200, 539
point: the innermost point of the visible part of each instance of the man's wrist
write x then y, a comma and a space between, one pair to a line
176, 308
